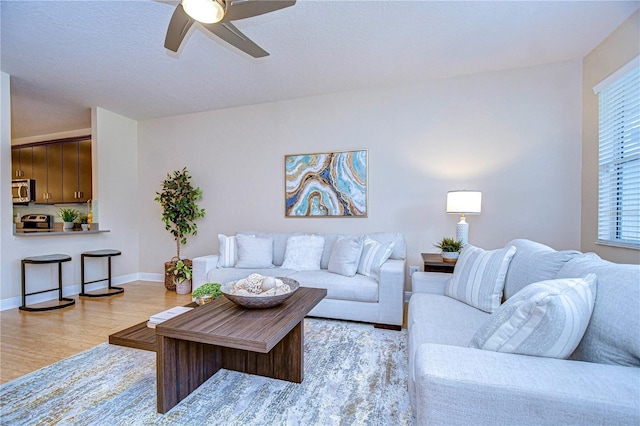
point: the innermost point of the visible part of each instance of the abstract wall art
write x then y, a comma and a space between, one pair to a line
333, 184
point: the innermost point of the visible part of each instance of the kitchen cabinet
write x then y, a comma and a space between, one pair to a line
22, 163
61, 169
76, 171
47, 172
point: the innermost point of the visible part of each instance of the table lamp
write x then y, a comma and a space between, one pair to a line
463, 202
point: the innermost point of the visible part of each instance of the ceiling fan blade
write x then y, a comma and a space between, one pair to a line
240, 9
178, 27
229, 33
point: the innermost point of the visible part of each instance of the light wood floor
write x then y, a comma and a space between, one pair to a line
32, 340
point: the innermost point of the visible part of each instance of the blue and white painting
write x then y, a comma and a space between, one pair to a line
326, 185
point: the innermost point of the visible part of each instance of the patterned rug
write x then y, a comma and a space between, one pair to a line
354, 374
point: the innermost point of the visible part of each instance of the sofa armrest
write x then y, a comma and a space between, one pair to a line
201, 267
429, 282
391, 292
459, 385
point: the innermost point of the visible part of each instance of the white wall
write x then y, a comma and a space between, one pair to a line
115, 151
6, 203
515, 135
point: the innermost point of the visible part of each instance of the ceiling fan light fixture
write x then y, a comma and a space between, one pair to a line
205, 11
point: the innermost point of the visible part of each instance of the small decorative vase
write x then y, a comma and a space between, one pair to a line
67, 226
183, 287
85, 226
450, 256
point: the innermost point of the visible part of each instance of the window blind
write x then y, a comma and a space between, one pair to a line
619, 160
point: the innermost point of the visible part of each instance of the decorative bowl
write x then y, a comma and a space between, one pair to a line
260, 302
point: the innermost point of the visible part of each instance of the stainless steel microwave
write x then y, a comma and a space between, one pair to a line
23, 191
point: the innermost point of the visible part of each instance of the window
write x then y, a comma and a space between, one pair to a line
619, 157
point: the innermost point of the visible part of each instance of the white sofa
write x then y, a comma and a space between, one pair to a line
377, 300
451, 383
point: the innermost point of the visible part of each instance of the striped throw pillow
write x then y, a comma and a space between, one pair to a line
228, 251
548, 318
374, 254
478, 277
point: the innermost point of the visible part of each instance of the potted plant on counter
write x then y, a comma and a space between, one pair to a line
180, 275
68, 216
83, 220
450, 249
179, 212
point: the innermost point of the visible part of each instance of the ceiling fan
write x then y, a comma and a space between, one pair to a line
215, 16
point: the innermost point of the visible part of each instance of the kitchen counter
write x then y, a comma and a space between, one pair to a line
48, 232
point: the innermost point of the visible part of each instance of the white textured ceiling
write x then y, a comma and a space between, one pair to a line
65, 57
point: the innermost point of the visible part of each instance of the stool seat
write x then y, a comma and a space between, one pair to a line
47, 258
111, 290
41, 260
102, 253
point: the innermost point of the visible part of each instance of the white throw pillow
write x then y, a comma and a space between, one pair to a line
254, 252
228, 251
345, 256
303, 252
478, 277
547, 319
374, 254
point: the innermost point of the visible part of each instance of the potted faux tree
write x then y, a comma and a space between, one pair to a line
180, 275
68, 216
179, 212
450, 249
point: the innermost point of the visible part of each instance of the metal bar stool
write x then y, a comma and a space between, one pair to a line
108, 253
41, 260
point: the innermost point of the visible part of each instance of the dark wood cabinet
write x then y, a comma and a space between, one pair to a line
22, 163
54, 174
76, 171
40, 172
61, 169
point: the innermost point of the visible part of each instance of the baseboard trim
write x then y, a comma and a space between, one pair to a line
74, 290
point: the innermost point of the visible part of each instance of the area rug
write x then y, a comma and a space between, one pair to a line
354, 374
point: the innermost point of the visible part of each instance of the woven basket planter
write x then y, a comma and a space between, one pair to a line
168, 279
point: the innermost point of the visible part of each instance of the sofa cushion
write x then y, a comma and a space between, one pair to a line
303, 252
543, 319
399, 246
345, 256
225, 275
533, 262
254, 252
374, 254
435, 318
478, 277
329, 241
279, 242
612, 334
357, 288
228, 251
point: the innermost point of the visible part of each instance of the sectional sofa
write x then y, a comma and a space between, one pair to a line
564, 347
364, 274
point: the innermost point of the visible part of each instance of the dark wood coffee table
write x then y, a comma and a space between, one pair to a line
269, 342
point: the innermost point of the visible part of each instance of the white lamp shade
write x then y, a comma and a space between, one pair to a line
467, 202
205, 11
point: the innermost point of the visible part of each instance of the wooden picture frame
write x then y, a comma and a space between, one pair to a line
332, 184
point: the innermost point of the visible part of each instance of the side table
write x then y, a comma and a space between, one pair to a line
433, 263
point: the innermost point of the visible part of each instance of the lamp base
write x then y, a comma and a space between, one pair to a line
462, 231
